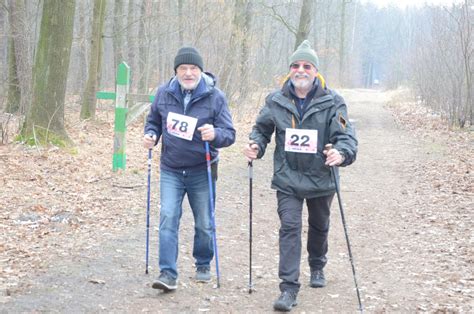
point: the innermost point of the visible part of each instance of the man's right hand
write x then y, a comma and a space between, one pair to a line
251, 151
149, 141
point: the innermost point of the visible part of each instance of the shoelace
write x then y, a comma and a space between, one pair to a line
286, 295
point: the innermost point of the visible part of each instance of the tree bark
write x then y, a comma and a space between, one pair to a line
245, 64
118, 33
14, 93
180, 23
45, 119
233, 65
305, 22
342, 39
20, 34
131, 42
144, 44
466, 34
88, 97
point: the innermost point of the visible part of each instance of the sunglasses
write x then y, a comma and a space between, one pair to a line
296, 66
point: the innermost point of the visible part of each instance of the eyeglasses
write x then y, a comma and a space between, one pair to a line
296, 66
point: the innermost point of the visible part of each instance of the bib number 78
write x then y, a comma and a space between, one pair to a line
183, 125
180, 125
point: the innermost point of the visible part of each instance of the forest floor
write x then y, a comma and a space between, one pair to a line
72, 232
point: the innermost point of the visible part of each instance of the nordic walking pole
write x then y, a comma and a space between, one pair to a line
148, 211
212, 209
250, 225
339, 200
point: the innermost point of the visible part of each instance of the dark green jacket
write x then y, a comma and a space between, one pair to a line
303, 174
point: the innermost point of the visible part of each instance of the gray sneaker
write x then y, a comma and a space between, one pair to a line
317, 279
165, 282
203, 274
285, 302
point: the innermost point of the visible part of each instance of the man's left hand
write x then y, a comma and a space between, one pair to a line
207, 132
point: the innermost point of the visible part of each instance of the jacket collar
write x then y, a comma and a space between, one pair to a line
316, 91
319, 96
204, 88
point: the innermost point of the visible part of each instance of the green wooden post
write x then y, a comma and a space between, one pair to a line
121, 109
123, 114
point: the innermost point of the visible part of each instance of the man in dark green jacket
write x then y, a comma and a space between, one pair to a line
305, 116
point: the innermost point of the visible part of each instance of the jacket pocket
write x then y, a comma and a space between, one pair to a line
308, 164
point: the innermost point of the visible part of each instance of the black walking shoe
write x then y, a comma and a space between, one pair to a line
317, 279
165, 282
285, 302
203, 274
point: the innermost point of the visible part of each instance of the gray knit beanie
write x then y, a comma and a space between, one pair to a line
188, 55
304, 52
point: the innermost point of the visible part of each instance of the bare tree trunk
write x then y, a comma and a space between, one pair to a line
19, 27
180, 23
131, 42
45, 119
245, 64
14, 93
78, 51
354, 23
316, 25
305, 22
466, 34
160, 49
5, 37
144, 44
341, 42
118, 32
88, 97
327, 40
233, 68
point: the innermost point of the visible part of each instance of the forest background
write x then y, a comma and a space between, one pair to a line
53, 49
72, 230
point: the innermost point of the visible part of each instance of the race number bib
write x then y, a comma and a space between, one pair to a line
301, 141
181, 126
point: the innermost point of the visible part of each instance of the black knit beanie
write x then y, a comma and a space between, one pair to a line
188, 55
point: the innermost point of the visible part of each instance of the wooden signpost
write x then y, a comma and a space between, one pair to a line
123, 114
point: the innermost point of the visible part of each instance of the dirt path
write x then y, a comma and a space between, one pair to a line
408, 256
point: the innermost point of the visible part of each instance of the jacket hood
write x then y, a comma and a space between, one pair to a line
209, 78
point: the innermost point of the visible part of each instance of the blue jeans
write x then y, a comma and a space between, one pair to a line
173, 187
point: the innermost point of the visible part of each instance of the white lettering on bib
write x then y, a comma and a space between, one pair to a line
301, 140
181, 126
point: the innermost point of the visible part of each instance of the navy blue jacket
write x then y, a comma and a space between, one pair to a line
209, 105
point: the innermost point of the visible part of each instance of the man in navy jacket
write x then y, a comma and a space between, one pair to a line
186, 112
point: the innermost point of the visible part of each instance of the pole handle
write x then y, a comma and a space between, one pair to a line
328, 146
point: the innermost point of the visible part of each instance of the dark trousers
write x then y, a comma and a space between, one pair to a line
290, 210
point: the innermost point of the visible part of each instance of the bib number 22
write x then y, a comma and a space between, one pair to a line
301, 141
